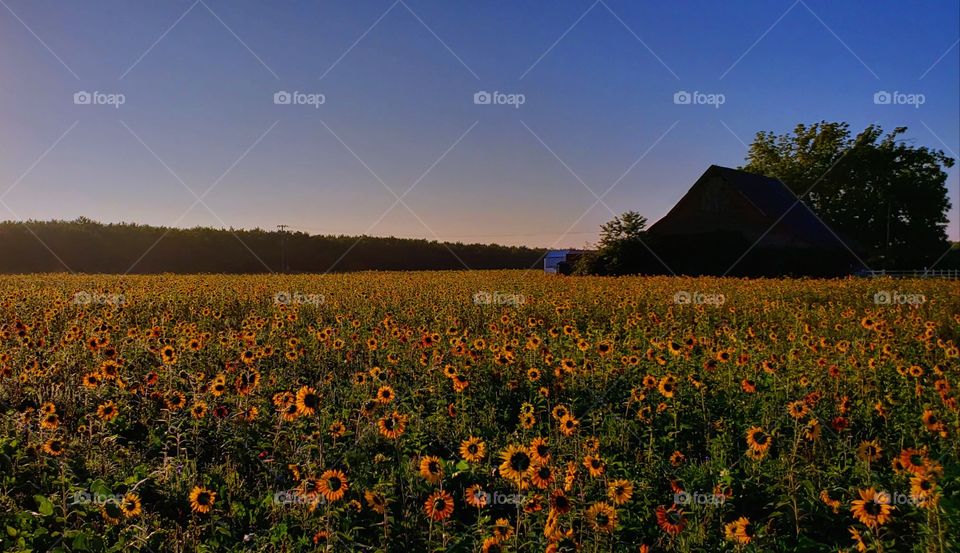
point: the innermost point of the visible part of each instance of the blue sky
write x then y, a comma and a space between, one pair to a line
398, 80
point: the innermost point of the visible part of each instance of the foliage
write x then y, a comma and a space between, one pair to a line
886, 197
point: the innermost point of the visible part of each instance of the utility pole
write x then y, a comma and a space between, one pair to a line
283, 253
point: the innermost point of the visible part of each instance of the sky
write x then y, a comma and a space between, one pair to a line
507, 121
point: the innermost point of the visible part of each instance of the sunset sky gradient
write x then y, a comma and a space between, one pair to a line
399, 80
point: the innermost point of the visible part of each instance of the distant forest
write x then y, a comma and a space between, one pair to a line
86, 246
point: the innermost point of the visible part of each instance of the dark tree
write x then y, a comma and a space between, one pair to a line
888, 197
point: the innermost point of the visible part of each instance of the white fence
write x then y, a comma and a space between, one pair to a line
952, 274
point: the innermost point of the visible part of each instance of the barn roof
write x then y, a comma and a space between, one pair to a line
776, 202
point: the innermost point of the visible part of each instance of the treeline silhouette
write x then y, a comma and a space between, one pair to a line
86, 246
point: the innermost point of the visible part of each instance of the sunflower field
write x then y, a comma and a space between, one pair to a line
478, 411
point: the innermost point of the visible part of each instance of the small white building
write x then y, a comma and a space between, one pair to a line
560, 262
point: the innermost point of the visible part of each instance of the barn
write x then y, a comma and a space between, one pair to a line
739, 223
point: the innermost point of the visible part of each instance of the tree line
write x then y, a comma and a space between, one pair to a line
87, 246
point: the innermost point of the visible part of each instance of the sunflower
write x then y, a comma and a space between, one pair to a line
309, 488
540, 449
460, 383
491, 544
307, 401
131, 505
431, 469
516, 464
175, 400
542, 475
737, 531
385, 395
748, 386
869, 451
559, 412
677, 458
199, 410
667, 386
439, 505
111, 512
321, 537
337, 429
797, 410
202, 499
594, 465
758, 441
218, 386
50, 421
91, 380
392, 425
857, 539
671, 520
476, 497
502, 530
53, 447
620, 491
568, 425
560, 503
168, 355
333, 485
829, 501
473, 449
375, 501
913, 460
107, 411
873, 508
932, 421
923, 490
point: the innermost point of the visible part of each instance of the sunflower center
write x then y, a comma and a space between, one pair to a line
520, 462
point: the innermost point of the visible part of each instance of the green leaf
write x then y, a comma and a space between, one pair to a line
44, 505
